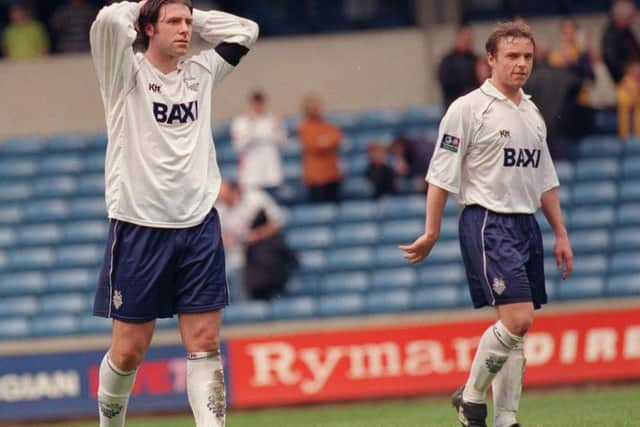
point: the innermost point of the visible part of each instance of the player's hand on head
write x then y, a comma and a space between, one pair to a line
564, 256
419, 249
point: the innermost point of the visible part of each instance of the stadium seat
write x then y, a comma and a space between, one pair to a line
94, 325
31, 258
7, 237
446, 251
588, 264
292, 149
395, 207
94, 162
310, 237
578, 286
21, 146
346, 304
246, 311
57, 186
435, 275
356, 187
292, 170
352, 258
229, 171
79, 255
344, 120
597, 169
389, 256
313, 214
61, 164
303, 284
356, 281
403, 277
17, 327
10, 214
41, 234
75, 279
600, 146
628, 214
46, 211
87, 208
385, 119
357, 234
605, 192
630, 190
356, 165
596, 240
623, 285
16, 191
363, 137
437, 297
448, 227
97, 141
53, 325
3, 260
15, 168
627, 238
293, 307
66, 143
565, 171
427, 114
387, 301
69, 303
402, 231
26, 305
23, 283
311, 261
357, 210
226, 153
631, 167
625, 262
592, 216
85, 231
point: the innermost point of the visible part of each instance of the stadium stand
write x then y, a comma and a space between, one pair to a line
53, 226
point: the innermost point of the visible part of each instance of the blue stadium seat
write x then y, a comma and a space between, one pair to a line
229, 171
631, 167
30, 258
627, 238
356, 281
226, 153
424, 114
564, 192
75, 279
246, 311
7, 237
10, 214
435, 275
97, 141
341, 305
46, 210
625, 262
395, 207
388, 301
357, 210
437, 297
356, 187
599, 146
291, 193
292, 149
623, 285
578, 286
94, 162
222, 133
588, 264
69, 303
356, 165
79, 255
402, 277
94, 325
65, 143
387, 118
310, 237
87, 208
628, 214
597, 169
85, 231
61, 164
293, 307
344, 120
589, 241
402, 231
448, 227
357, 234
15, 168
592, 216
292, 170
303, 284
21, 146
26, 305
292, 122
363, 138
312, 261
389, 256
633, 148
41, 234
352, 258
17, 327
630, 190
313, 214
23, 283
15, 191
605, 192
551, 271
167, 323
53, 325
446, 251
565, 171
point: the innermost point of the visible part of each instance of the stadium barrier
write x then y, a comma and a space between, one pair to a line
576, 347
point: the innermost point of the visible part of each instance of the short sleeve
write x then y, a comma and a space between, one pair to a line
445, 168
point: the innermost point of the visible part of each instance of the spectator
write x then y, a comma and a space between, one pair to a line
257, 137
410, 159
456, 72
251, 220
378, 172
320, 147
619, 44
71, 23
24, 37
628, 94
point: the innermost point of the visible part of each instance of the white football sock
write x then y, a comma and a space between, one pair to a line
205, 388
113, 393
507, 388
493, 351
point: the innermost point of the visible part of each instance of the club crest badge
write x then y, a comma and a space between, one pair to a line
117, 299
498, 285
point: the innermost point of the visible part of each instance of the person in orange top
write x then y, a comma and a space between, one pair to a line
628, 94
320, 148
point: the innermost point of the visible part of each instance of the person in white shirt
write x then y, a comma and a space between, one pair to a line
164, 253
492, 154
257, 137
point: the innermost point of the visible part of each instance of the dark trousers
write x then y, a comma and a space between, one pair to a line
325, 193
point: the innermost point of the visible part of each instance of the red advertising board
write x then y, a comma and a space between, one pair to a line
586, 346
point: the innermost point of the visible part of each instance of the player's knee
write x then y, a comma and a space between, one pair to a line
204, 338
520, 325
127, 359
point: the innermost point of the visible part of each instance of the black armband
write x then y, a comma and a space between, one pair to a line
231, 52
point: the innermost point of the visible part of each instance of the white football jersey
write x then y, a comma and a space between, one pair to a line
161, 168
493, 153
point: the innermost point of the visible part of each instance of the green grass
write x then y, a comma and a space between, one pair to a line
609, 407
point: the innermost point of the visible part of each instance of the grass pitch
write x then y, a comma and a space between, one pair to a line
594, 407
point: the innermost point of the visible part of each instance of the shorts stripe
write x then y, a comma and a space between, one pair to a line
484, 257
113, 249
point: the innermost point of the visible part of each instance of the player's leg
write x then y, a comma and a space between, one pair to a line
129, 343
205, 375
201, 293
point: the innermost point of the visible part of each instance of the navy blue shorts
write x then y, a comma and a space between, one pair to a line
150, 273
503, 257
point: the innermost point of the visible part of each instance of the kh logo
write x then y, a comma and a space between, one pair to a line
504, 133
521, 157
155, 88
178, 113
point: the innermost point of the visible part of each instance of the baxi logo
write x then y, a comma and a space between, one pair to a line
521, 158
178, 113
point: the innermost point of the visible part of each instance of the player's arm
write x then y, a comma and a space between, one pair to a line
550, 203
422, 246
112, 36
231, 35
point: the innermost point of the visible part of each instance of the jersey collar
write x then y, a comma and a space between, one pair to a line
489, 89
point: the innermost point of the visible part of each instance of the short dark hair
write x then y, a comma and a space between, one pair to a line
257, 96
508, 29
150, 13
